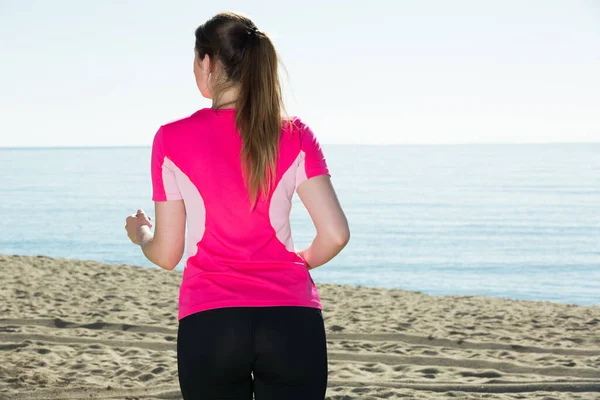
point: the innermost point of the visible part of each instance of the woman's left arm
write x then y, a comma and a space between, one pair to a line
165, 246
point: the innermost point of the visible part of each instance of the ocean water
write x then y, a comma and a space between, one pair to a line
513, 221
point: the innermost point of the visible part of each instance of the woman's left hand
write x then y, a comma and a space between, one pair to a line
134, 223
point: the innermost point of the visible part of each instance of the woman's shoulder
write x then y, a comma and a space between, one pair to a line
299, 129
294, 125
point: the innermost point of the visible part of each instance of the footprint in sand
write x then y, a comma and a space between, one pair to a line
145, 377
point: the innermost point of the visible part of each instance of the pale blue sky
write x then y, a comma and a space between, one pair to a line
88, 73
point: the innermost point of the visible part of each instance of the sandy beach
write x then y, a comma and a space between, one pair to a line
74, 329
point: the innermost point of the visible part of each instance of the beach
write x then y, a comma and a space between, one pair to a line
72, 329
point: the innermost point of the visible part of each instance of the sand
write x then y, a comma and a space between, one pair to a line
74, 329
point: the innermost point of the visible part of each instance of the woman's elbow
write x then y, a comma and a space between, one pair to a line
340, 237
169, 263
343, 238
167, 255
168, 267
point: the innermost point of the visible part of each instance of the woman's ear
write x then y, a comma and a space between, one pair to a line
202, 73
206, 64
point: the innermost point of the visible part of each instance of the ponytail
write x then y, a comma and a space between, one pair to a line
258, 115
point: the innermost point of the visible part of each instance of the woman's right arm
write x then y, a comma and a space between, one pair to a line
319, 198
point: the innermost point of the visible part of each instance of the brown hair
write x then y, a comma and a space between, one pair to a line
248, 60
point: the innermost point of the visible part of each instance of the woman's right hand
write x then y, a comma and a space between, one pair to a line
299, 253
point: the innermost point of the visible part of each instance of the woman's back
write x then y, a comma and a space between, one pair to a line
250, 316
237, 256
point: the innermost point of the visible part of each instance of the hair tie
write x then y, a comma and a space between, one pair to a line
253, 31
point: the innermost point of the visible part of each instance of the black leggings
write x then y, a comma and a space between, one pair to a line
277, 353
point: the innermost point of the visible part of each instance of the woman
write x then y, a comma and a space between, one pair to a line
250, 318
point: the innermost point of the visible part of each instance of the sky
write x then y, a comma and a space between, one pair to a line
109, 73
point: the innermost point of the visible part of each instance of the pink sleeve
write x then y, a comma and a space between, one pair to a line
312, 160
164, 183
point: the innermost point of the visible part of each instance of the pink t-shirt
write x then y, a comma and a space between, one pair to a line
235, 257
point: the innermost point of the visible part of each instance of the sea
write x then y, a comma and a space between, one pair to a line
518, 221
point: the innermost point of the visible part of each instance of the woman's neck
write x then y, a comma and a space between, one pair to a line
226, 99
